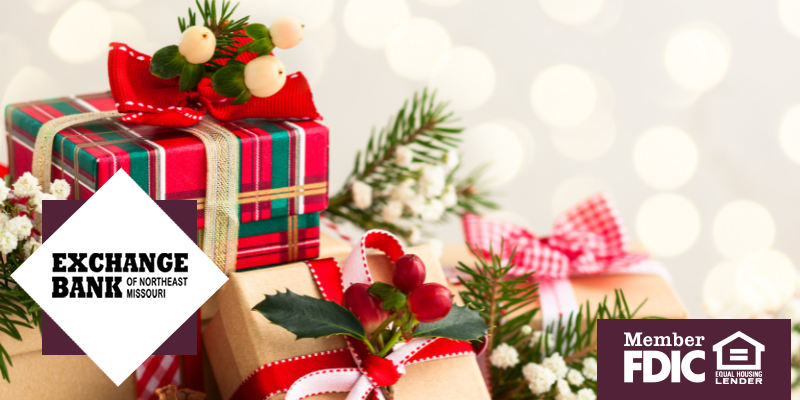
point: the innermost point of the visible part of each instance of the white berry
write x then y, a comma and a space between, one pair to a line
264, 76
197, 44
286, 32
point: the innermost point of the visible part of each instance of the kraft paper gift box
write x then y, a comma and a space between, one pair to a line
283, 167
662, 300
239, 340
38, 377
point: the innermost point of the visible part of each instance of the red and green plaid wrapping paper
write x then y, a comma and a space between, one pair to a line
283, 165
278, 240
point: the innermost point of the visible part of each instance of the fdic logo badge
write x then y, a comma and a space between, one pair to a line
665, 359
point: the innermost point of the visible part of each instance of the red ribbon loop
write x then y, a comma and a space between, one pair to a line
587, 239
382, 372
147, 99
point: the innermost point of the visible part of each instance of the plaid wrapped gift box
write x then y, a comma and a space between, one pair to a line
276, 241
283, 167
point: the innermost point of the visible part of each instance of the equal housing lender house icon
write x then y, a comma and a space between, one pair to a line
738, 352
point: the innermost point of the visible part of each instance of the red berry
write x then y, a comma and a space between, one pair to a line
430, 302
409, 273
367, 309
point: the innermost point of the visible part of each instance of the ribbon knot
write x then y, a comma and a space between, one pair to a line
587, 239
147, 99
382, 372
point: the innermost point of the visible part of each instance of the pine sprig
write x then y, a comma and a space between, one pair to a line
423, 126
17, 308
500, 297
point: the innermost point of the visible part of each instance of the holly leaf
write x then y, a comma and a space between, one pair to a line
191, 75
243, 98
462, 323
228, 81
309, 317
167, 63
262, 46
256, 31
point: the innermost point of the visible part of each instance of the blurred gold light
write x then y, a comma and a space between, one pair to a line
563, 96
415, 47
766, 280
665, 157
464, 75
667, 224
696, 59
440, 3
742, 228
789, 133
370, 23
789, 13
313, 13
82, 33
571, 12
574, 190
497, 145
586, 142
127, 29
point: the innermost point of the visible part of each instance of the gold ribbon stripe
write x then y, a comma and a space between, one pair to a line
275, 194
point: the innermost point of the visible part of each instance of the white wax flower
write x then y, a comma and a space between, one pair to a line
415, 235
586, 394
537, 336
795, 343
451, 159
403, 191
433, 211
60, 189
540, 379
504, 356
432, 180
415, 204
563, 387
567, 396
556, 364
392, 211
3, 221
450, 197
8, 242
403, 156
38, 198
4, 191
575, 377
590, 368
362, 195
30, 246
526, 330
27, 186
20, 226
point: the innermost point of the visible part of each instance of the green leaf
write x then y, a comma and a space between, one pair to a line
382, 290
257, 31
229, 80
167, 63
396, 301
462, 323
262, 46
309, 317
243, 98
191, 76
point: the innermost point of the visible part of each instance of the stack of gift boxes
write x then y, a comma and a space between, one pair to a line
283, 187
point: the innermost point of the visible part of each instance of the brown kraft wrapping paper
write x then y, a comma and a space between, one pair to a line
38, 377
239, 340
662, 301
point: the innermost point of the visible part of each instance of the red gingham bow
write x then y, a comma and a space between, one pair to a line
147, 99
587, 239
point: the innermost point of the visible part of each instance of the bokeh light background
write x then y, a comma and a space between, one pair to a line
687, 112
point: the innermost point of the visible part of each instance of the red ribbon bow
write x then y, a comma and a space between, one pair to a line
353, 369
587, 239
147, 99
